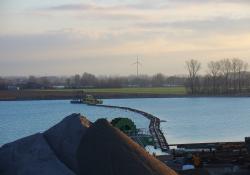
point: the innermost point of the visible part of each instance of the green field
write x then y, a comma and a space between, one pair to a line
158, 90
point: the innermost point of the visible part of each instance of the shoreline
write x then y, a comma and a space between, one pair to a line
24, 95
117, 96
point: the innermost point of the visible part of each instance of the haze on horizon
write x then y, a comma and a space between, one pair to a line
64, 37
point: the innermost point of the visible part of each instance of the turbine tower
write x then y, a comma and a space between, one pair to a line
137, 66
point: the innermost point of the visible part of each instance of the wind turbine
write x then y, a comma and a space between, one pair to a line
137, 66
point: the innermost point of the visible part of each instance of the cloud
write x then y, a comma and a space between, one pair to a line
212, 26
70, 51
80, 7
170, 11
71, 7
112, 31
57, 44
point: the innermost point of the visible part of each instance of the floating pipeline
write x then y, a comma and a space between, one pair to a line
154, 126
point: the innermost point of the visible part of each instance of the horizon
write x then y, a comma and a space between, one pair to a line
61, 38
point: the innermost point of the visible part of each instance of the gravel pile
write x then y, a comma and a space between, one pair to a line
76, 146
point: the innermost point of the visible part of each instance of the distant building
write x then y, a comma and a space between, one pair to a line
172, 85
133, 85
13, 88
58, 87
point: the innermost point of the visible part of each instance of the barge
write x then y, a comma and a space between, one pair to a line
89, 99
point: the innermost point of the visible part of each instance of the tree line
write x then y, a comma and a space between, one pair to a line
226, 76
87, 80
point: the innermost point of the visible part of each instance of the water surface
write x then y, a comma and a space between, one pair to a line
197, 119
23, 118
188, 119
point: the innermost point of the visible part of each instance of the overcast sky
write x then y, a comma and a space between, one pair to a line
64, 37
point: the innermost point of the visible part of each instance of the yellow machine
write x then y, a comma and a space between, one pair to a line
89, 99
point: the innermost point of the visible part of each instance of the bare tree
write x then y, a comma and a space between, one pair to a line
234, 72
158, 80
214, 70
67, 82
3, 84
244, 74
193, 66
226, 67
237, 68
88, 80
241, 67
44, 82
77, 82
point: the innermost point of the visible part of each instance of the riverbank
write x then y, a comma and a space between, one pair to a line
106, 93
64, 95
102, 94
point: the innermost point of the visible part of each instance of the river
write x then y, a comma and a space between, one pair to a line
188, 119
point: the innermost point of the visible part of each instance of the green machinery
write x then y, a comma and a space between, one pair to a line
127, 126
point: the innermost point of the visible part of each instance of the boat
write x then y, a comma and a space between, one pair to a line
89, 99
76, 101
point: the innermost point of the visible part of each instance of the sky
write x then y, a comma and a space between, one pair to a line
104, 37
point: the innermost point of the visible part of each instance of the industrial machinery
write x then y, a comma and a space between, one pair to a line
127, 126
88, 99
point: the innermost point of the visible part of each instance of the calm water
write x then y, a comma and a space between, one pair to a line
188, 119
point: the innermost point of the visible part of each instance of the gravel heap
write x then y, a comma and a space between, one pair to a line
76, 146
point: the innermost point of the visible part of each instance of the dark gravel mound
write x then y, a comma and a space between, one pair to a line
104, 150
75, 146
53, 152
30, 156
64, 139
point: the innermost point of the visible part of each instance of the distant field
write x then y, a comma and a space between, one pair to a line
161, 90
38, 94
